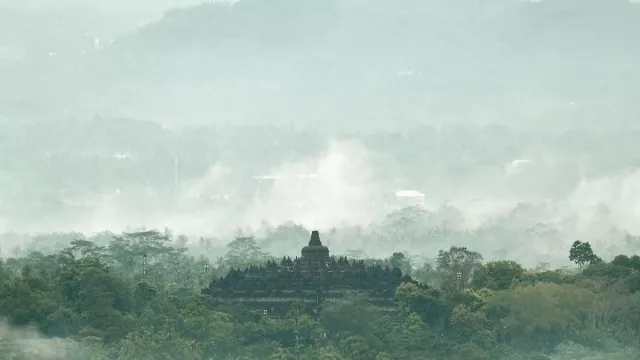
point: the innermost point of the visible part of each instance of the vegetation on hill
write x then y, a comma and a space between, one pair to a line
137, 296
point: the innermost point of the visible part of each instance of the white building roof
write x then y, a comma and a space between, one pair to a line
409, 193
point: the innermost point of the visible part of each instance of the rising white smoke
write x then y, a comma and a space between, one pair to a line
28, 344
340, 186
336, 187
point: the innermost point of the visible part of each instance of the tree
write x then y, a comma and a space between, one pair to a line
400, 261
497, 275
581, 253
412, 334
355, 347
129, 250
353, 316
87, 248
538, 317
96, 310
244, 251
621, 260
425, 274
466, 326
471, 351
407, 223
285, 236
282, 354
424, 302
164, 344
4, 274
456, 268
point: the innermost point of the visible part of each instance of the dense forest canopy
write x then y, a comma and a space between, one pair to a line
137, 296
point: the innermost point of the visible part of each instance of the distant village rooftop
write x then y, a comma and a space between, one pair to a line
409, 194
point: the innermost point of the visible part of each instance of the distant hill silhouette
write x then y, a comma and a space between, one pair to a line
376, 62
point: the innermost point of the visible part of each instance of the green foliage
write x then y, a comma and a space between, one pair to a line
97, 301
581, 253
471, 351
427, 303
244, 251
573, 351
400, 261
456, 268
497, 275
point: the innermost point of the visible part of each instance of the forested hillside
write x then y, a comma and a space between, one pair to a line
347, 63
410, 61
137, 296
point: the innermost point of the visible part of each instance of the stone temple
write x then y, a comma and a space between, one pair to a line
313, 278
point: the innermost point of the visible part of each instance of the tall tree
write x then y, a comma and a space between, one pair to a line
581, 253
456, 267
244, 251
497, 275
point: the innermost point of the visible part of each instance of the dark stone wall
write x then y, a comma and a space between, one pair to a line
274, 286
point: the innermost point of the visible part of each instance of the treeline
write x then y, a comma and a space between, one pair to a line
137, 296
144, 158
129, 155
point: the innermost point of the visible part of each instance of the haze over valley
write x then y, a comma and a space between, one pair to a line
335, 64
526, 105
480, 153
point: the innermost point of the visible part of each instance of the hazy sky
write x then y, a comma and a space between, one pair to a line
564, 73
343, 62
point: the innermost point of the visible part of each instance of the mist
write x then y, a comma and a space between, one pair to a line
341, 64
26, 342
400, 129
522, 206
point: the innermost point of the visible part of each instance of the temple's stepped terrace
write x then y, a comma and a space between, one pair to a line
313, 278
